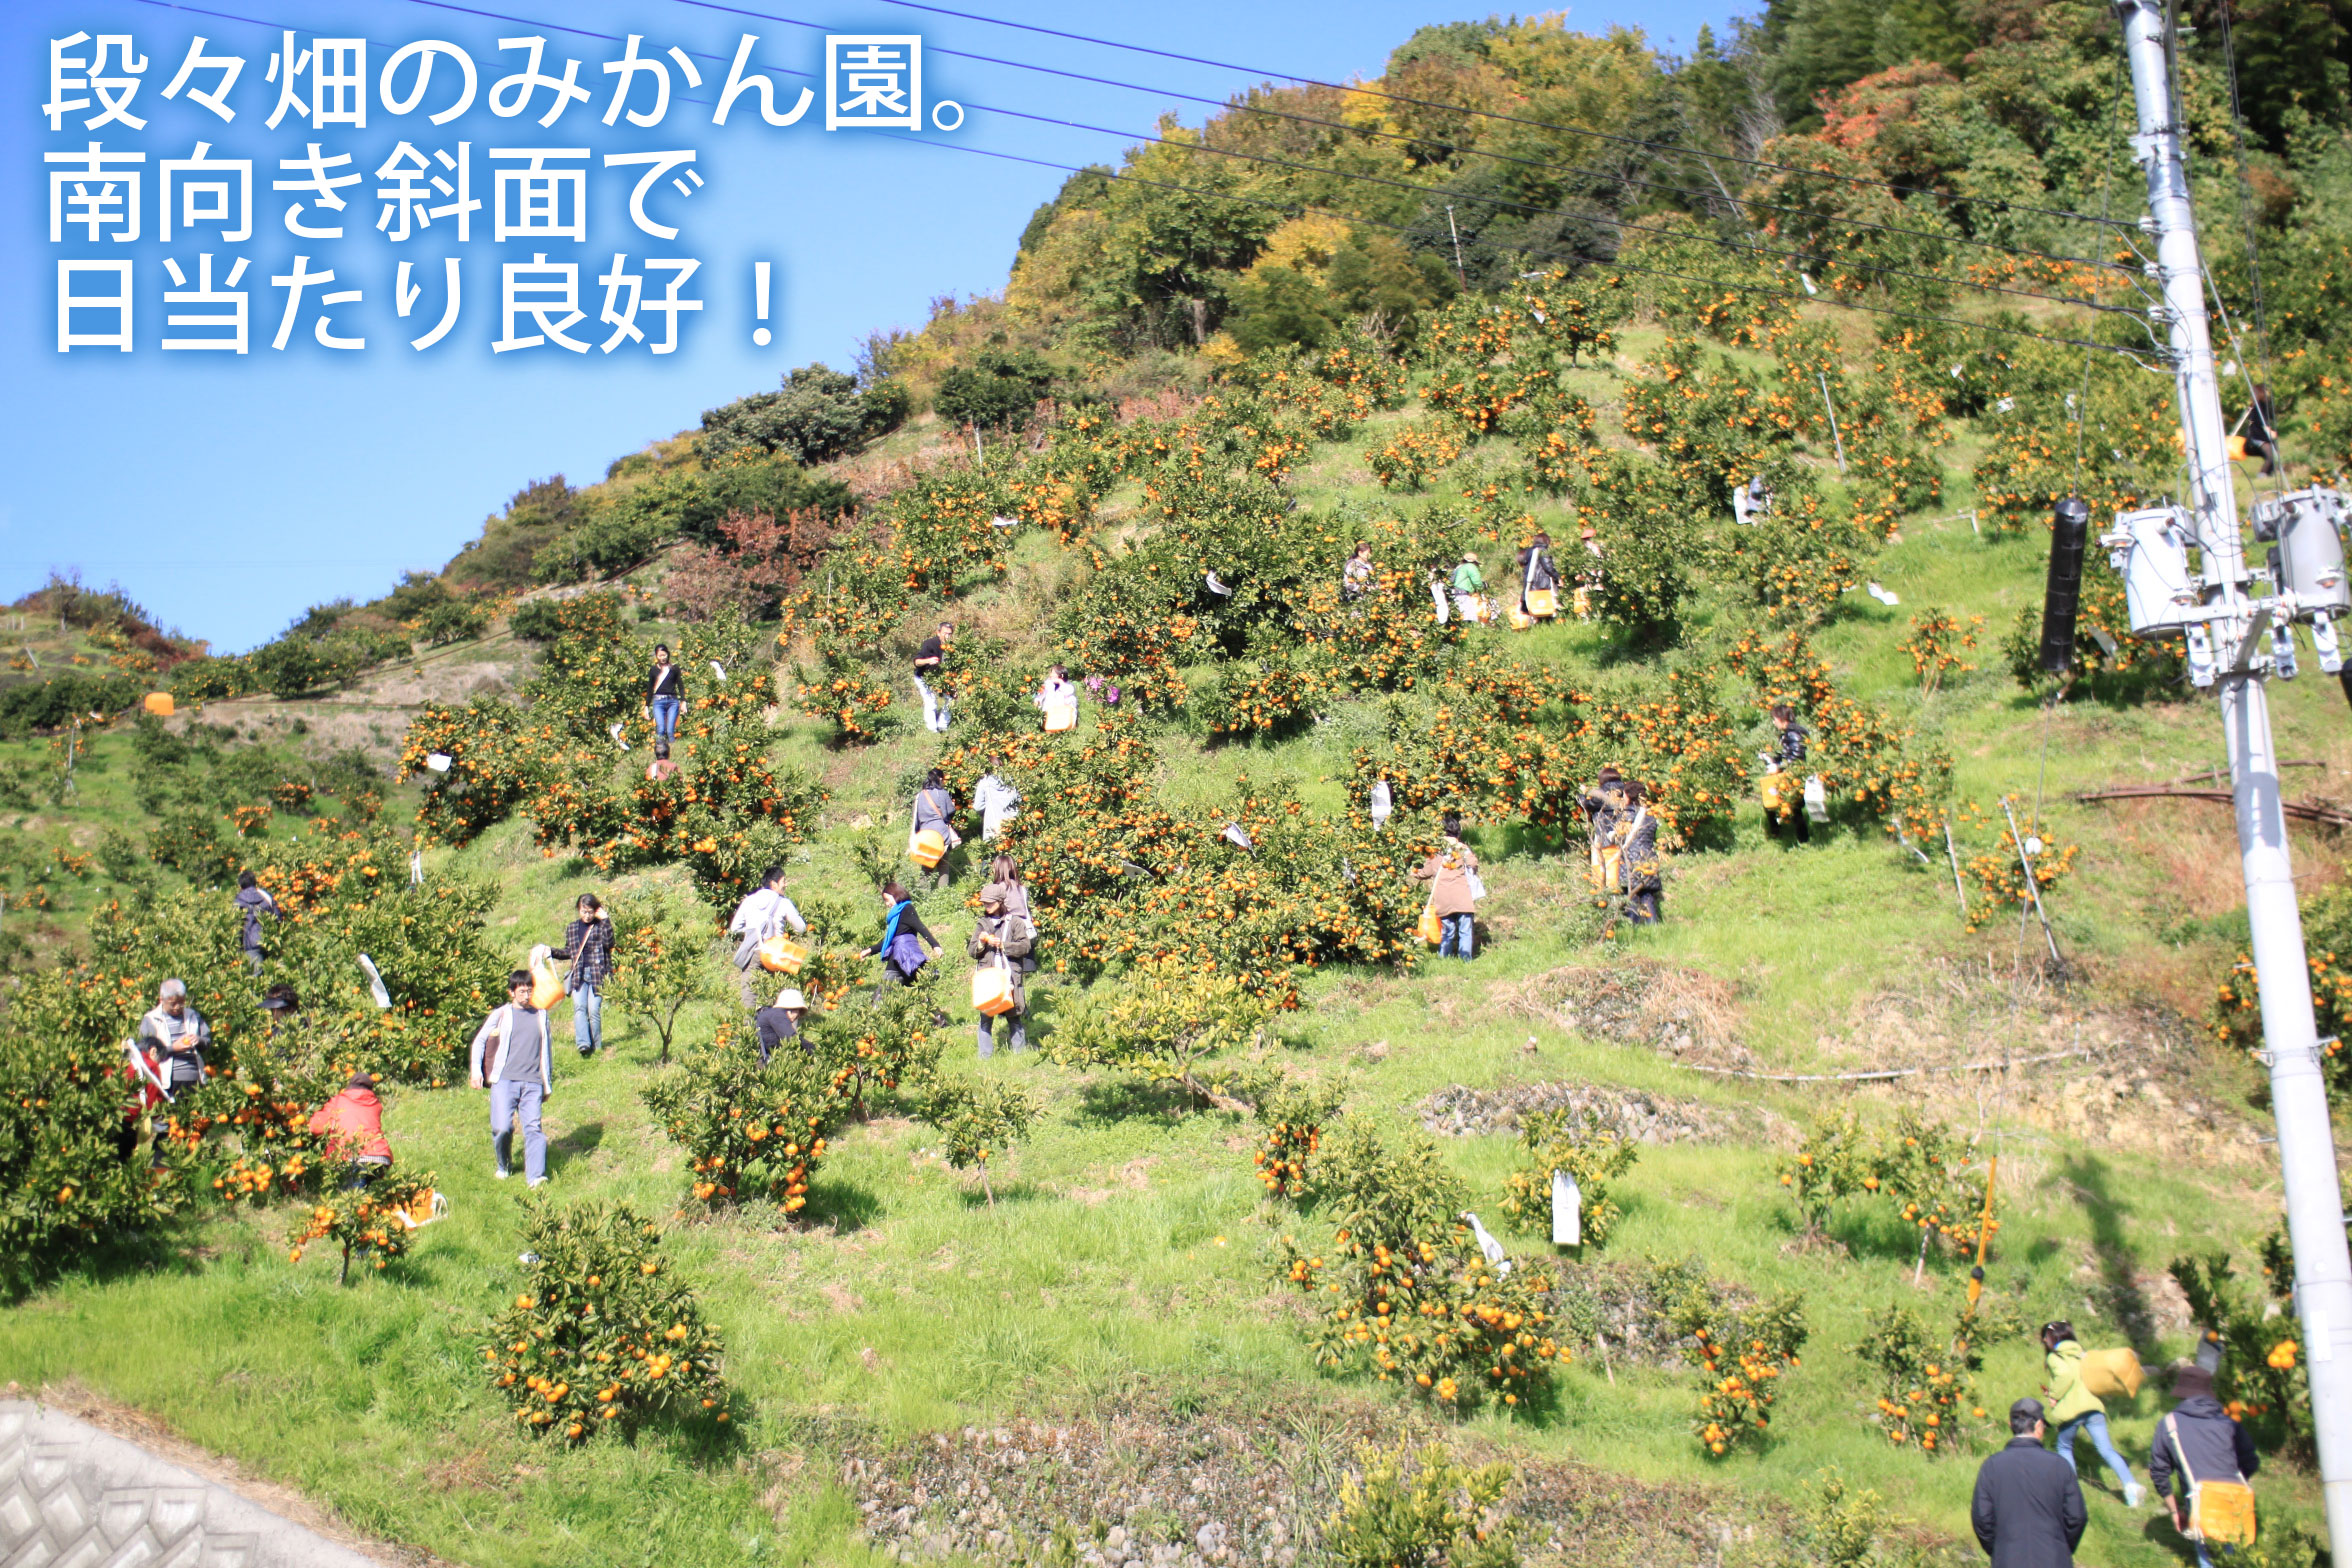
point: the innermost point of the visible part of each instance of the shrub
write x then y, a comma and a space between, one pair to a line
600, 1339
64, 1183
1294, 1116
373, 1222
996, 388
2262, 1378
817, 416
661, 962
976, 1119
1407, 1510
878, 1044
1927, 1377
453, 620
2327, 933
1919, 1165
1162, 1022
1403, 1293
1740, 1361
63, 699
1937, 643
537, 620
209, 677
1592, 1153
751, 1130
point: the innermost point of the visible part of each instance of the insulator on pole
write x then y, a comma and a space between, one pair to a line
2070, 532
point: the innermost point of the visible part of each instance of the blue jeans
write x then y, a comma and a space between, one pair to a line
2096, 1421
1459, 938
665, 718
510, 1100
587, 1017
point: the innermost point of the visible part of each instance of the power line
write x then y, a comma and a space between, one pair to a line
1489, 114
1549, 166
1492, 201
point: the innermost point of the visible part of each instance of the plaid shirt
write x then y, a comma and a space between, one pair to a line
588, 944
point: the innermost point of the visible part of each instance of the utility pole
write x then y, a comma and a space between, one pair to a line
2223, 628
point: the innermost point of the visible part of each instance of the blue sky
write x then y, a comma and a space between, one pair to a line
228, 492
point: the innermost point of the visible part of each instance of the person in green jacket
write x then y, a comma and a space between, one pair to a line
1469, 584
2073, 1407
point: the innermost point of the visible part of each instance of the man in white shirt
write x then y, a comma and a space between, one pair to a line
763, 913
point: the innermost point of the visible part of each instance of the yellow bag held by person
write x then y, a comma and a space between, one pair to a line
929, 849
992, 990
2221, 1513
1520, 619
1061, 716
780, 955
2112, 1374
1771, 789
547, 987
1543, 603
1430, 929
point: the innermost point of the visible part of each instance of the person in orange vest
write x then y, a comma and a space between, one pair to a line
352, 1122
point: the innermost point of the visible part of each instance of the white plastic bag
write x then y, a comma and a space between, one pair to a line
1567, 1211
1816, 799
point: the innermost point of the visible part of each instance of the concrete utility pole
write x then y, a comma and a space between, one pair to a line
2238, 666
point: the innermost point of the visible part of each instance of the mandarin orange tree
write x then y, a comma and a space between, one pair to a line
1740, 1359
66, 1106
1294, 1114
2262, 1378
375, 1221
2237, 1017
749, 1129
885, 1042
603, 1337
1163, 1022
1926, 1398
1400, 1289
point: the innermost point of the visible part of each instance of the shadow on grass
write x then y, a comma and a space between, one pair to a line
576, 1144
2087, 1174
2159, 1533
1106, 1101
1008, 1194
843, 1207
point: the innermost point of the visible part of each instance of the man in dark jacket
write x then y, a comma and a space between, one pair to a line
2198, 1442
2028, 1511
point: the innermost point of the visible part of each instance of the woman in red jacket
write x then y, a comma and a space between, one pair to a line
352, 1122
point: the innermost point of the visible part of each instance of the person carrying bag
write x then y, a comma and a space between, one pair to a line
1000, 942
2215, 1461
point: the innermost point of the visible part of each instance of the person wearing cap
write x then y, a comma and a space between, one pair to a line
2198, 1442
510, 1058
280, 1002
1002, 937
1469, 583
781, 1022
2028, 1511
352, 1122
2075, 1408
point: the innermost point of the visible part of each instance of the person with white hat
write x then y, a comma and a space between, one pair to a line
781, 1022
